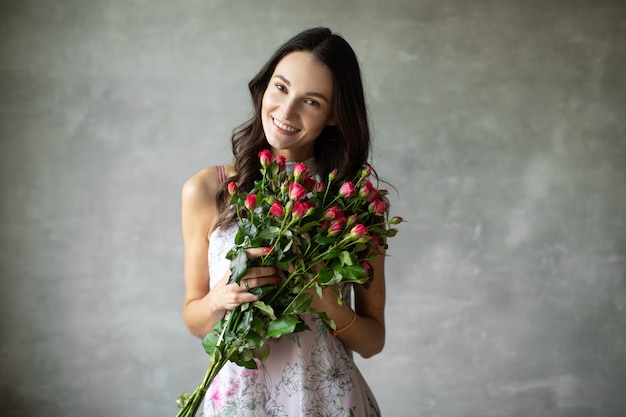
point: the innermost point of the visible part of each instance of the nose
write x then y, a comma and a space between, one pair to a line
287, 108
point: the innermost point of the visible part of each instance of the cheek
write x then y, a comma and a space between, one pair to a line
270, 100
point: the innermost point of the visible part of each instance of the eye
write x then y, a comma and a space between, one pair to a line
312, 102
281, 87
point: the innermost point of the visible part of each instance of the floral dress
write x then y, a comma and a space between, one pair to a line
310, 373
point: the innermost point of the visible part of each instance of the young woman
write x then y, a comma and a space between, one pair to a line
309, 107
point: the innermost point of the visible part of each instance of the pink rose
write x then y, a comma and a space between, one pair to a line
266, 158
232, 188
335, 228
302, 209
277, 210
281, 161
347, 189
359, 231
296, 192
319, 187
300, 171
368, 191
377, 206
250, 201
366, 171
367, 267
335, 213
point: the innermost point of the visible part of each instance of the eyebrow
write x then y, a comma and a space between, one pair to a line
310, 93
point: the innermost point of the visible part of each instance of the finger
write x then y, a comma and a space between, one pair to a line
249, 283
257, 252
260, 272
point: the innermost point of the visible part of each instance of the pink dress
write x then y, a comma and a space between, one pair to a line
310, 373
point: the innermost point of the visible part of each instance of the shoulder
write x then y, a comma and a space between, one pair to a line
205, 183
200, 190
199, 207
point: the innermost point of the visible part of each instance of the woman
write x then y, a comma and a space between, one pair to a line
309, 107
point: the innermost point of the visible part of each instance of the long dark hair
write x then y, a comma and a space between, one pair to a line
344, 146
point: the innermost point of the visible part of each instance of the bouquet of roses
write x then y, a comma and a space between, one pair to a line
317, 238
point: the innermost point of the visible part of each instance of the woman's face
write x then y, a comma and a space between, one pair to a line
297, 105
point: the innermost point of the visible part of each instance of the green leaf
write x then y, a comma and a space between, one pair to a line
331, 254
209, 342
325, 275
345, 258
265, 309
323, 240
253, 339
262, 352
354, 273
244, 325
238, 265
274, 168
246, 355
249, 364
281, 326
247, 228
269, 232
261, 291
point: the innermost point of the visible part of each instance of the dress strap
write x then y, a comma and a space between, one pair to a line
222, 172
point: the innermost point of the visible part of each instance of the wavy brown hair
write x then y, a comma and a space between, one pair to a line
344, 146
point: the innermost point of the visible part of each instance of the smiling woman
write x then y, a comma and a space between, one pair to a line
297, 105
309, 108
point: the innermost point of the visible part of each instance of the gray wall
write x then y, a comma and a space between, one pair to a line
500, 122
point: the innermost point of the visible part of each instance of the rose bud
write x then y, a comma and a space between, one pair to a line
302, 209
266, 158
377, 206
281, 161
250, 201
352, 220
347, 189
396, 220
367, 267
319, 187
296, 192
368, 191
232, 188
300, 171
366, 171
335, 213
335, 228
332, 175
277, 210
391, 232
359, 230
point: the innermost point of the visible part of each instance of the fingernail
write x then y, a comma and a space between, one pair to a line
276, 279
267, 250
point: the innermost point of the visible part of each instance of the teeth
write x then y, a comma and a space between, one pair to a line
285, 127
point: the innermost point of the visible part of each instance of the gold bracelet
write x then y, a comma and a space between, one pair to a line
336, 332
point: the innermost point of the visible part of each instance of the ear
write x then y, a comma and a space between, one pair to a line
332, 122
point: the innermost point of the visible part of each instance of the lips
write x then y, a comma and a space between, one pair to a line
286, 128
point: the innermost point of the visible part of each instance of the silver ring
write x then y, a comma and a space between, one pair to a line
245, 285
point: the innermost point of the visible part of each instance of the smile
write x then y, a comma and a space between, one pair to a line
284, 127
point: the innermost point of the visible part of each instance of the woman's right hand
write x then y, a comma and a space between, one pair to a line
225, 296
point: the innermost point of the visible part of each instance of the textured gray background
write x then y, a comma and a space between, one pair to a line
500, 122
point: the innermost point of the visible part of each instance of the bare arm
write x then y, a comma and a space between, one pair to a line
205, 306
367, 334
